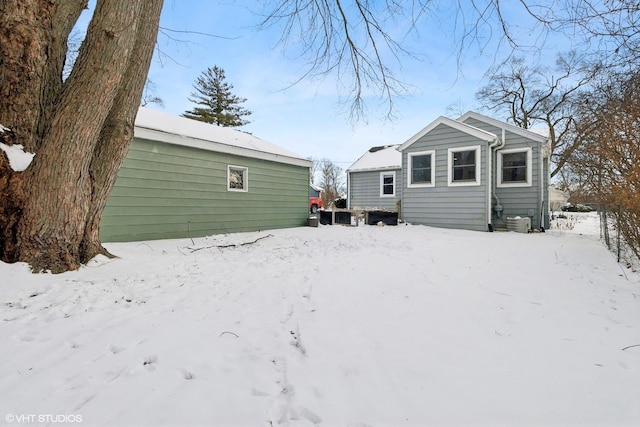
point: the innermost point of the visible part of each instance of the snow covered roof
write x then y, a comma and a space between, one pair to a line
384, 157
165, 127
315, 187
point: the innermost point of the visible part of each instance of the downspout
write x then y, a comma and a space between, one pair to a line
541, 228
544, 154
494, 146
348, 190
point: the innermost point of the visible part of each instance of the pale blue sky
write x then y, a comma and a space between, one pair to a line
308, 118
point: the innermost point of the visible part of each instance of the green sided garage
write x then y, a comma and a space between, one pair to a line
184, 178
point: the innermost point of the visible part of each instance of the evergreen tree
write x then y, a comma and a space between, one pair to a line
216, 104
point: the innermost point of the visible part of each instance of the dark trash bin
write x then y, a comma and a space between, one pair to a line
326, 218
387, 217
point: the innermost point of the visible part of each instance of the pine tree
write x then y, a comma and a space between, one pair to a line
216, 104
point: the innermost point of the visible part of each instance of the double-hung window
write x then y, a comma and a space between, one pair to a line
237, 178
464, 166
421, 169
514, 167
387, 184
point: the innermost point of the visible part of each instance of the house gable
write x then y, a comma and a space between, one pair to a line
453, 124
446, 202
472, 118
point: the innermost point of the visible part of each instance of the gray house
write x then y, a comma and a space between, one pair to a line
374, 180
474, 173
184, 178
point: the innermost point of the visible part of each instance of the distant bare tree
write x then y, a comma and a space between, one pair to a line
528, 95
331, 180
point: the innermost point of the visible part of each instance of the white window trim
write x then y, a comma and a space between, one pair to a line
529, 168
382, 175
410, 168
477, 181
245, 178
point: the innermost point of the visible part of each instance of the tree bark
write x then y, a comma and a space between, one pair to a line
33, 46
117, 132
85, 123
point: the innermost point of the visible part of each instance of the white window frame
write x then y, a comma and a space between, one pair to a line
529, 180
245, 178
410, 157
478, 174
382, 175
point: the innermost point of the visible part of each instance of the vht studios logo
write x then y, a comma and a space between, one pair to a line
43, 418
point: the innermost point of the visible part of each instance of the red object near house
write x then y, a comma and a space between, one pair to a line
315, 203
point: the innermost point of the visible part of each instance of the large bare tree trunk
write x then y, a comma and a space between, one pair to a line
117, 131
33, 46
80, 138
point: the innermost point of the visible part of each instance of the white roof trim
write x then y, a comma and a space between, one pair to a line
462, 127
159, 126
503, 125
373, 168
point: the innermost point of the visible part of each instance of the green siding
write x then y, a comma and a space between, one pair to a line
168, 191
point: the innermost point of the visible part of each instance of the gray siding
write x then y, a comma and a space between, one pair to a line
169, 191
446, 206
364, 190
517, 201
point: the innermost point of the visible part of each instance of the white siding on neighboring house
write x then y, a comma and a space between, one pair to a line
557, 198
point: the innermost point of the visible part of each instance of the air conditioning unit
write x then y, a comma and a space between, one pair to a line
519, 224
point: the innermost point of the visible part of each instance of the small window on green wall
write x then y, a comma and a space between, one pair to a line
237, 178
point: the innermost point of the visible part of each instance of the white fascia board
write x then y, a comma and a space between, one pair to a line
186, 141
503, 125
462, 127
373, 169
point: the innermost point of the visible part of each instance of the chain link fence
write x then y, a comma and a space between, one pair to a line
619, 230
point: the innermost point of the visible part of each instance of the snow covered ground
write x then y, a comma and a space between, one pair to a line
335, 326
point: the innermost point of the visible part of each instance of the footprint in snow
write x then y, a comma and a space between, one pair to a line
186, 374
149, 362
114, 349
